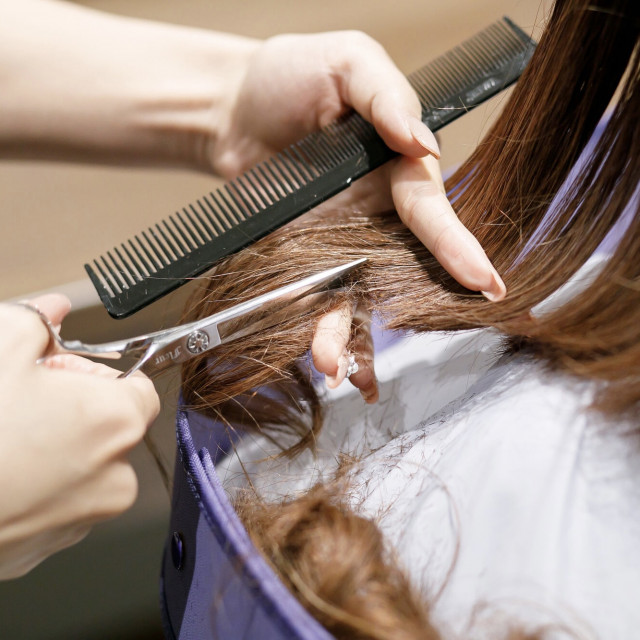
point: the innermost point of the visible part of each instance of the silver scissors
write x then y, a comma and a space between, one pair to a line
163, 349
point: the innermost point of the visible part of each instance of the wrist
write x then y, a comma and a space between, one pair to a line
183, 108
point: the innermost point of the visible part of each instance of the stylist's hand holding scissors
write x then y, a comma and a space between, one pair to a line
66, 429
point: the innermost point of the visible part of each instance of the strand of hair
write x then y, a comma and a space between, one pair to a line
126, 271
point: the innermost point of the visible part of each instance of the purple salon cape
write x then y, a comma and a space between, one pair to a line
214, 582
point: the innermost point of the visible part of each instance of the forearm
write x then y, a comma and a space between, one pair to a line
81, 85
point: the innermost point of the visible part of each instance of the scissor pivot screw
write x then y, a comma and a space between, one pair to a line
197, 342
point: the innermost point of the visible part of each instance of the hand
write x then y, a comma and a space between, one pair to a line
296, 84
67, 426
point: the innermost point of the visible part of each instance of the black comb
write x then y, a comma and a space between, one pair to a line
297, 179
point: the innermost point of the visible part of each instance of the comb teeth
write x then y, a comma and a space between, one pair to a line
455, 81
187, 243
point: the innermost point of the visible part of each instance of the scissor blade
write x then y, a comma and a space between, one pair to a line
244, 319
284, 303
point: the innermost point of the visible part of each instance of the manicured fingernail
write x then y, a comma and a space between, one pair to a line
424, 136
497, 289
475, 270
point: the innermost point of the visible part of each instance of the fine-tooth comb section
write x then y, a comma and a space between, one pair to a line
187, 243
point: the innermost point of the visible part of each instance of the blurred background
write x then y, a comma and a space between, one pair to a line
56, 217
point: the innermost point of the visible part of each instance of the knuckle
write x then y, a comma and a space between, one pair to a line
354, 46
148, 399
134, 426
127, 423
123, 489
409, 208
419, 199
358, 38
445, 243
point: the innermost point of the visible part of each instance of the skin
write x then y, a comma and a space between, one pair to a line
187, 98
67, 428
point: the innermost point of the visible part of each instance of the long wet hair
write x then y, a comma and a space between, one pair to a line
502, 193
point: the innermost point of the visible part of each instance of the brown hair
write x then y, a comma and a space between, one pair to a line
303, 537
502, 194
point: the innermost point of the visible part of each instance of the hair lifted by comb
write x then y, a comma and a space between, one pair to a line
299, 177
502, 194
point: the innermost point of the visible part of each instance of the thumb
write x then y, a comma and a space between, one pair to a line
372, 84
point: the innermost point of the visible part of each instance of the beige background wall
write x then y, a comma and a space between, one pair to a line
56, 217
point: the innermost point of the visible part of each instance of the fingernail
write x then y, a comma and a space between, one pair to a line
424, 136
497, 289
476, 271
335, 381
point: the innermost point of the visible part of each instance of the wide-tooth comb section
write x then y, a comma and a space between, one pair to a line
190, 241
